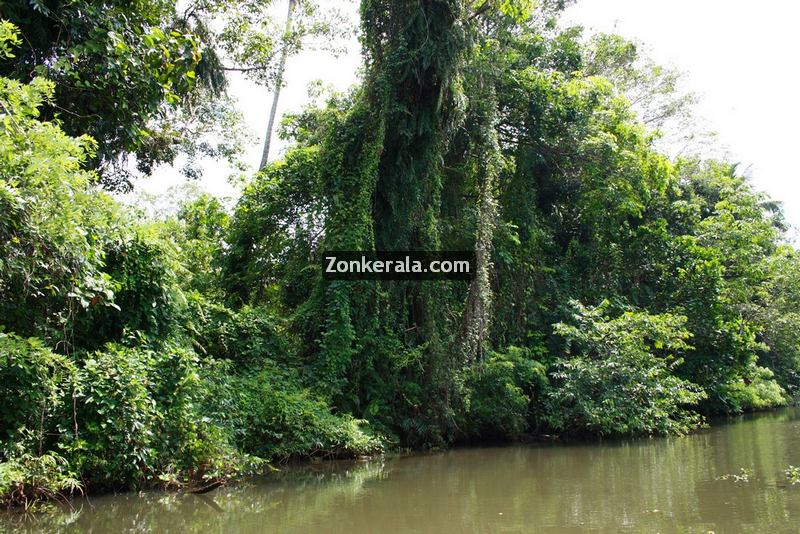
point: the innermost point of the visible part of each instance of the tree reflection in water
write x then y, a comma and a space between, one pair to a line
664, 484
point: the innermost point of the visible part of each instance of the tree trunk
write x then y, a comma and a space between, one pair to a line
278, 83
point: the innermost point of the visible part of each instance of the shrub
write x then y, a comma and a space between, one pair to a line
141, 415
120, 417
500, 391
759, 392
34, 381
117, 417
190, 440
282, 420
246, 337
619, 379
26, 479
144, 299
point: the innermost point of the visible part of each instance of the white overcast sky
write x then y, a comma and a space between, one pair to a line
739, 56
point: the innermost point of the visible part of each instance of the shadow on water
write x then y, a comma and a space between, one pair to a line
643, 485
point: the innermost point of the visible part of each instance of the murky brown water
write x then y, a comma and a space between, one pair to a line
649, 485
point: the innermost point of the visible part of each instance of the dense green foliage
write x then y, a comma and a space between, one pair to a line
503, 392
617, 292
617, 377
147, 77
118, 369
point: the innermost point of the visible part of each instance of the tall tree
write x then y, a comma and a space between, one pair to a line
147, 79
277, 91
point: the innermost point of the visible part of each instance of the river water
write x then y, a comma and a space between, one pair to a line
644, 485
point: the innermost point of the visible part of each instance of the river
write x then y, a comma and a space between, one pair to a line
642, 485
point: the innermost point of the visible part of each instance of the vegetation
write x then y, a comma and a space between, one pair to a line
618, 376
793, 474
618, 291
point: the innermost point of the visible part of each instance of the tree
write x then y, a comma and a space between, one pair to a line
145, 79
277, 91
115, 69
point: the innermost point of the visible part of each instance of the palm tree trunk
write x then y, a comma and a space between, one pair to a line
278, 83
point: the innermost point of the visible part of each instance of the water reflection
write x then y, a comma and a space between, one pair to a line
666, 485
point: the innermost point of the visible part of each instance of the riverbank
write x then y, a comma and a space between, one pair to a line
185, 340
31, 499
661, 484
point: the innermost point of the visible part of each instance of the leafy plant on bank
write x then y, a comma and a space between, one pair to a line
617, 379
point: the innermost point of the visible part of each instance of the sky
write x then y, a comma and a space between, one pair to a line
740, 57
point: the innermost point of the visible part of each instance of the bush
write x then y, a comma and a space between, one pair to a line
759, 392
117, 418
190, 440
500, 391
619, 380
144, 298
282, 420
246, 337
141, 416
37, 380
120, 417
26, 479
